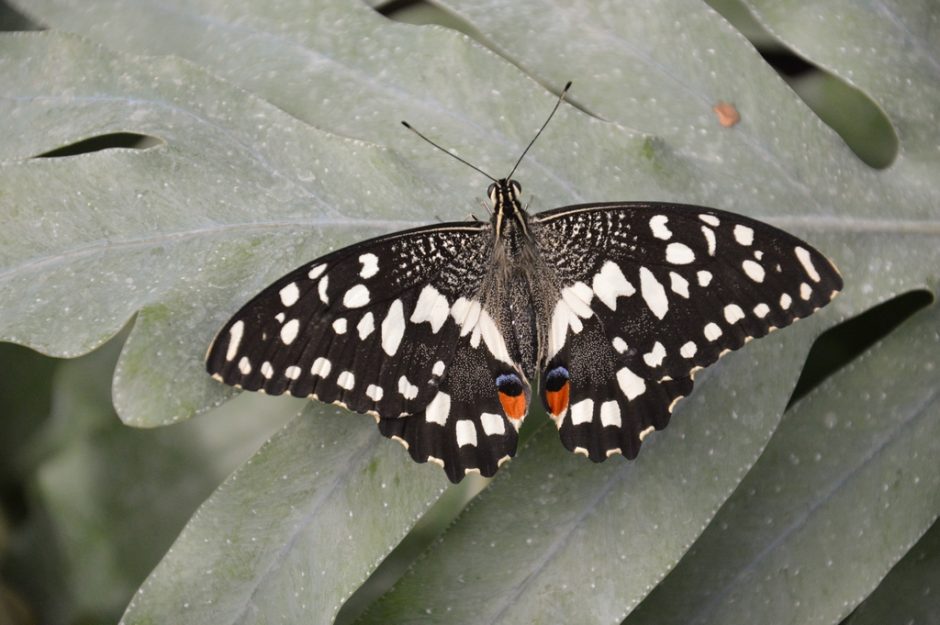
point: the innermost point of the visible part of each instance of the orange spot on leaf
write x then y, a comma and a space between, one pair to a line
727, 114
557, 400
513, 406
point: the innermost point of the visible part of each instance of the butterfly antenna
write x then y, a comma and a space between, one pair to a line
561, 97
447, 152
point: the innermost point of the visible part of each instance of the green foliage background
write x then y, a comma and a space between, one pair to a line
241, 139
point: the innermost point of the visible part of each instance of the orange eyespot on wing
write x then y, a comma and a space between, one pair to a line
512, 396
558, 400
557, 391
513, 405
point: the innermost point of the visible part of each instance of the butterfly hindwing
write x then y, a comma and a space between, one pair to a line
601, 407
471, 424
649, 293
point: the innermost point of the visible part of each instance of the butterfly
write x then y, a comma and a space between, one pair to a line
441, 332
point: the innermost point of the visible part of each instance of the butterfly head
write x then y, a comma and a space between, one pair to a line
504, 194
504, 197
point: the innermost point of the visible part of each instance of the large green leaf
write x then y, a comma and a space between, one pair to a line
242, 188
846, 485
909, 593
107, 501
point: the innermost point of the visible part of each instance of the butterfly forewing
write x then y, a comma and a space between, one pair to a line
348, 327
649, 294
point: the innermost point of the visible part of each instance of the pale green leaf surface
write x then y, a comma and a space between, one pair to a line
116, 497
237, 193
909, 593
846, 485
294, 531
340, 66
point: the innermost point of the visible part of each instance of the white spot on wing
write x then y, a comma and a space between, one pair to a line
280, 317
234, 339
709, 239
678, 284
407, 389
244, 365
431, 307
807, 261
704, 278
785, 301
374, 392
356, 297
438, 368
733, 313
366, 325
655, 357
466, 313
289, 331
321, 367
339, 326
630, 383
619, 344
653, 293
562, 319
578, 297
761, 310
292, 372
712, 331
370, 265
688, 350
753, 270
743, 235
805, 291
493, 338
582, 412
289, 294
466, 433
711, 220
658, 227
438, 409
610, 283
321, 289
646, 433
393, 328
679, 254
316, 271
493, 424
610, 414
267, 370
346, 380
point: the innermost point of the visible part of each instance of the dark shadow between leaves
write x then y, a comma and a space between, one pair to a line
839, 345
11, 20
111, 141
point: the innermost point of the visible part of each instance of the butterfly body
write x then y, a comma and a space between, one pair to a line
441, 332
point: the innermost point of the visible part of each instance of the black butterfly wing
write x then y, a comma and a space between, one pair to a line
649, 294
392, 327
479, 435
